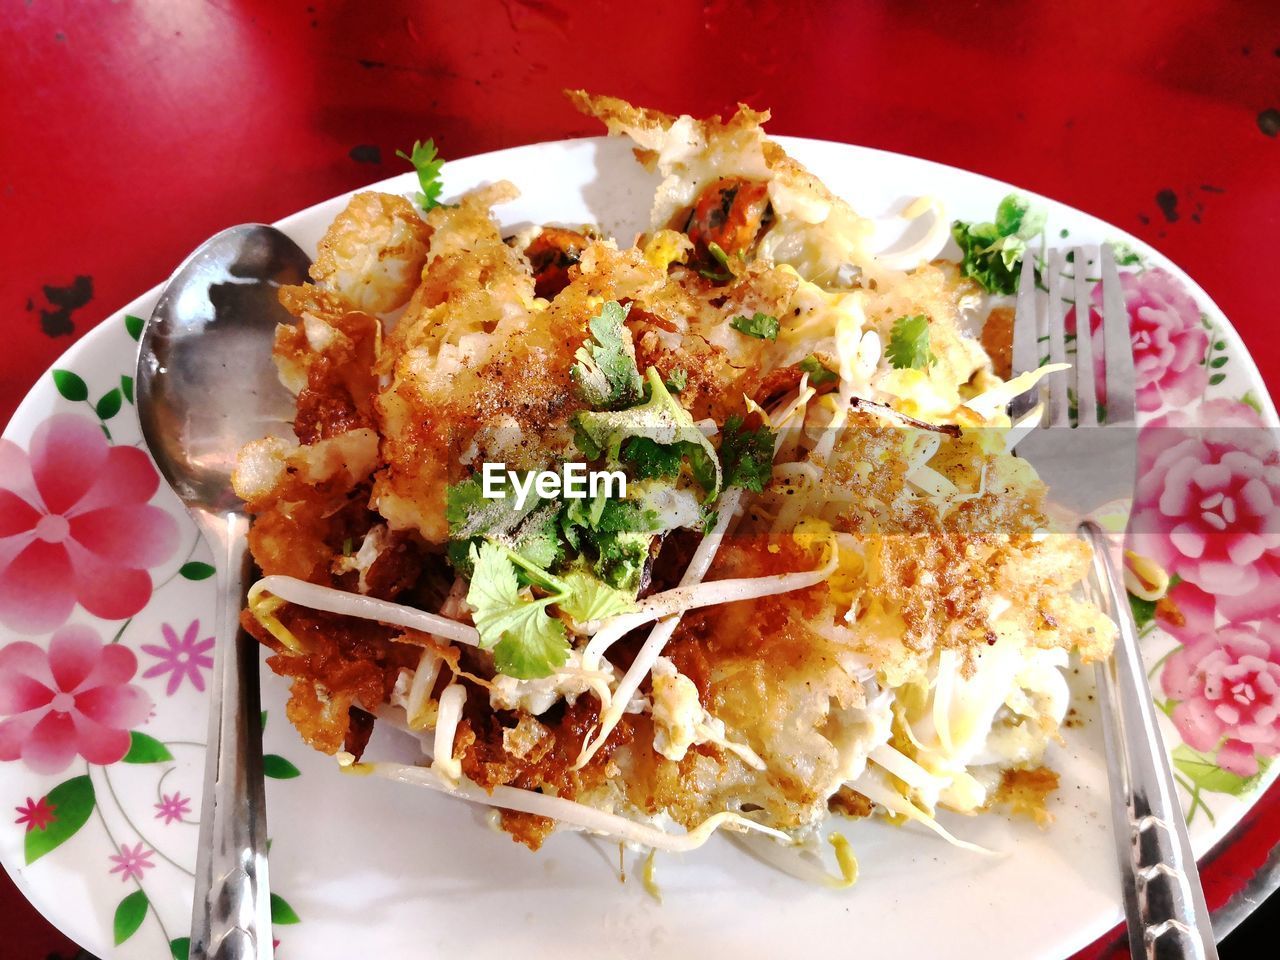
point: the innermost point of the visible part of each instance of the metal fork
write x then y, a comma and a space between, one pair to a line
1089, 468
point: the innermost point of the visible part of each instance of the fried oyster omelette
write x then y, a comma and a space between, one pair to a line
828, 588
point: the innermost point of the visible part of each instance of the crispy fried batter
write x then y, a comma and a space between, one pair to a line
553, 254
303, 499
346, 664
997, 340
483, 743
373, 252
775, 683
478, 370
849, 803
1026, 793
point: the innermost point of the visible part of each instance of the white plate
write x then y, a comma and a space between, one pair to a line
369, 868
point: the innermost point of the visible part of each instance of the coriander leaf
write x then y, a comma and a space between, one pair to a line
530, 531
458, 553
613, 539
590, 598
818, 374
462, 501
527, 642
747, 455
428, 164
605, 376
661, 419
677, 379
471, 514
705, 468
980, 245
617, 557
532, 655
909, 343
650, 461
992, 251
538, 538
760, 325
626, 516
722, 272
610, 516
1125, 255
709, 520
1015, 217
620, 559
581, 519
655, 461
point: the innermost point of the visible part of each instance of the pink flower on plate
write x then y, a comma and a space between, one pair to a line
1207, 505
1188, 613
1169, 340
73, 699
131, 862
1228, 685
180, 657
37, 814
75, 526
173, 807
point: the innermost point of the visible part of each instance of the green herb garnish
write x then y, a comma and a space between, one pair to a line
818, 374
660, 419
605, 376
909, 343
526, 641
427, 162
993, 251
746, 455
724, 272
760, 325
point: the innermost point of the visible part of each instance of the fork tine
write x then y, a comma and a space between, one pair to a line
1086, 391
1057, 412
1026, 333
1117, 344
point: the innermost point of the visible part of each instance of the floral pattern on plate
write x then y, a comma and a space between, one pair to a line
1207, 510
82, 536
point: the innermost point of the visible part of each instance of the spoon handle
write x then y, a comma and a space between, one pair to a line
231, 913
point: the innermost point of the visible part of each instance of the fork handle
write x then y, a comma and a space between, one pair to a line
1164, 903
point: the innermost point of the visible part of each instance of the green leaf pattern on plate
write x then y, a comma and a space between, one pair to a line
195, 570
146, 749
129, 916
281, 912
70, 386
72, 802
278, 768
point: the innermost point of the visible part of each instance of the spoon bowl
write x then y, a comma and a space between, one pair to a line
205, 386
206, 383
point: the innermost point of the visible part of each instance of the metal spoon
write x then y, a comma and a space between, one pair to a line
205, 387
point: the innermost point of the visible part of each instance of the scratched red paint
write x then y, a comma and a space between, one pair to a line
131, 131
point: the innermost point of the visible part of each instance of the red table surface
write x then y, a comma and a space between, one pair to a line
132, 131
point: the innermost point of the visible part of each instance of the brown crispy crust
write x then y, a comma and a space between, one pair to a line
1026, 793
